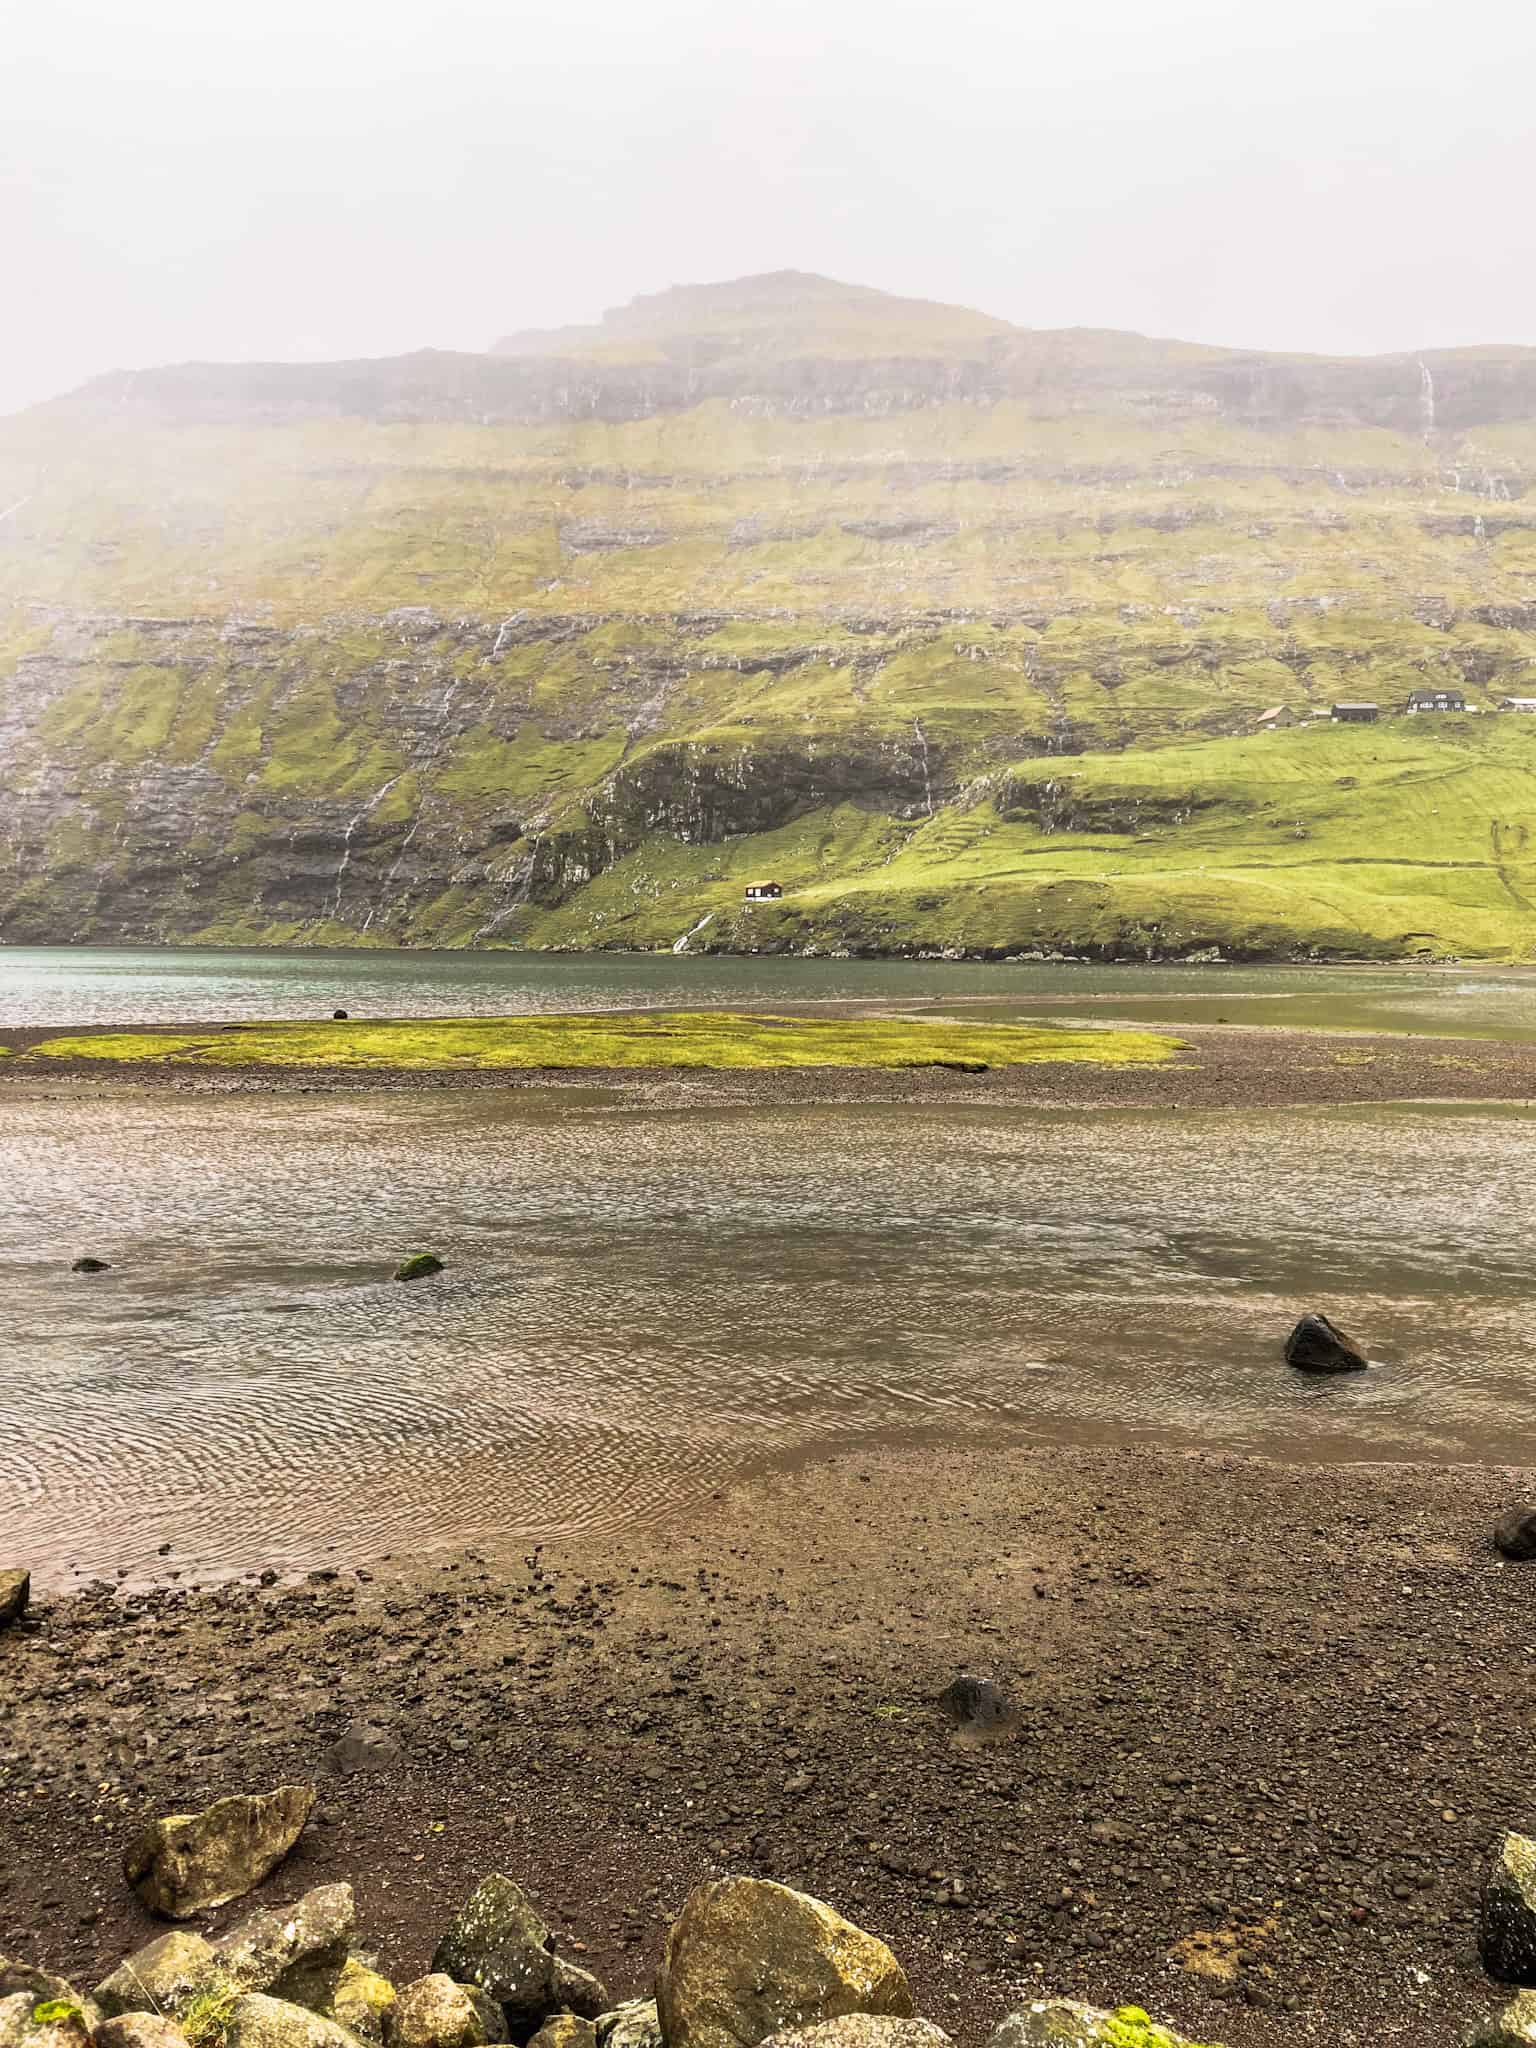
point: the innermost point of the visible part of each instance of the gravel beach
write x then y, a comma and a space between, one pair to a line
1270, 1722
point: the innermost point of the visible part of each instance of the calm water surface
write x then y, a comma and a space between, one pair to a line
641, 1301
48, 986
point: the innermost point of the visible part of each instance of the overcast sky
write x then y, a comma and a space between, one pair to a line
312, 178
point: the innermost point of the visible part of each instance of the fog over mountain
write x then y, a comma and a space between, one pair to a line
335, 180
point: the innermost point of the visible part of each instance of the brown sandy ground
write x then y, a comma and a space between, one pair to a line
1275, 1714
1223, 1068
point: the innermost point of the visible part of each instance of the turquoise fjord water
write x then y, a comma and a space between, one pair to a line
43, 987
640, 1302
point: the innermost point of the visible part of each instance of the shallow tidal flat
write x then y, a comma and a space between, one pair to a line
642, 1300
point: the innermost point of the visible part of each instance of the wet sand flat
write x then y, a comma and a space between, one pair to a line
643, 1299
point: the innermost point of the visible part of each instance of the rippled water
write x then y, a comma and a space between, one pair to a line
59, 986
641, 1301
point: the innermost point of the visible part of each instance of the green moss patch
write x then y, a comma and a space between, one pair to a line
703, 1038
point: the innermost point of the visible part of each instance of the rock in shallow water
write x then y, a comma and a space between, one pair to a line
91, 1266
190, 1861
747, 1958
418, 1266
1317, 1345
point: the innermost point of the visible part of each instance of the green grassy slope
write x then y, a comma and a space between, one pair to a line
400, 653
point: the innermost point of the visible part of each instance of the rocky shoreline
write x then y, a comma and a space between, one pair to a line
1266, 1726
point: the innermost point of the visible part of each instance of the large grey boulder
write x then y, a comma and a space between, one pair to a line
747, 1958
577, 1991
163, 1977
21, 2028
256, 2021
862, 2030
1063, 2023
635, 2024
499, 1942
1513, 2027
363, 2001
434, 2012
139, 2030
15, 1591
190, 1861
1507, 1933
296, 1952
566, 2030
1514, 1533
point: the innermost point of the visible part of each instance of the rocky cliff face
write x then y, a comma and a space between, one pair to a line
562, 646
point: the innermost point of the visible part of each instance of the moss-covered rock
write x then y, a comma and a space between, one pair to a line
363, 2001
257, 2021
435, 2012
747, 1958
499, 1942
140, 2030
577, 1991
21, 2027
1512, 2027
862, 2030
1064, 2023
45, 1988
296, 1952
634, 2024
165, 1976
565, 2030
418, 1266
190, 1861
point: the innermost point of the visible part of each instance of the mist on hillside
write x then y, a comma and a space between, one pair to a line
338, 181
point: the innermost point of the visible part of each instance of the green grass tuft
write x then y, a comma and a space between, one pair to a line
635, 1039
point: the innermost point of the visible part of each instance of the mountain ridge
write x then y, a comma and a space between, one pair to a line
968, 649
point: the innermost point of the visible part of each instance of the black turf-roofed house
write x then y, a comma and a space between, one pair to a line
764, 892
1437, 700
1355, 714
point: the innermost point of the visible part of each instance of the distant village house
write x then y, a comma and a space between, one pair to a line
764, 892
1277, 718
1437, 700
1518, 704
1355, 714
